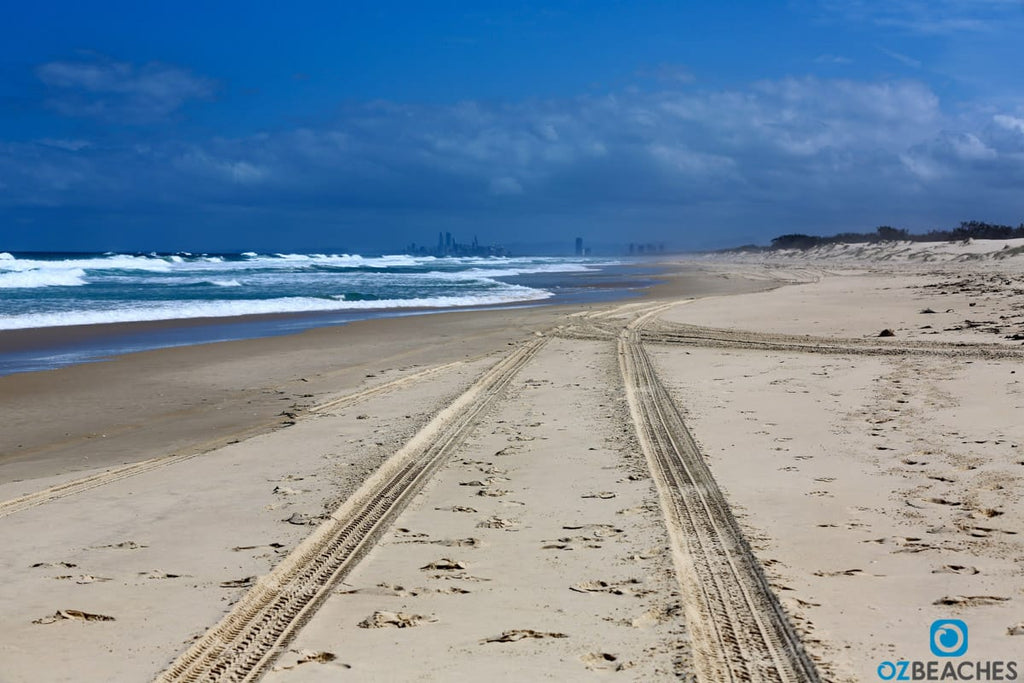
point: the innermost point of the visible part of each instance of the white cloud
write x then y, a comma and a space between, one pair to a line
1009, 122
968, 147
108, 89
689, 162
786, 150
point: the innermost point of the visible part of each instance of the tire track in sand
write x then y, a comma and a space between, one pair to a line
75, 486
740, 631
257, 629
694, 335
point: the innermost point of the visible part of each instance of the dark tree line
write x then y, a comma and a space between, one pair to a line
967, 230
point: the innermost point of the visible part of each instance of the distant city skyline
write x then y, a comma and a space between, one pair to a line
310, 126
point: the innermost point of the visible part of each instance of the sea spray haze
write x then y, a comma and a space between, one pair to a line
45, 290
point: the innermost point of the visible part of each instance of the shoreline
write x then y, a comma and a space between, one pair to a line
132, 406
51, 347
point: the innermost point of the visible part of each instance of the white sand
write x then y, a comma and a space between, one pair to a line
870, 487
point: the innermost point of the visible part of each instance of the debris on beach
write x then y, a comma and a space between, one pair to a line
970, 600
239, 583
66, 614
394, 619
299, 519
521, 634
445, 564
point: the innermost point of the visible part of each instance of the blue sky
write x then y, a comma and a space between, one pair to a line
272, 126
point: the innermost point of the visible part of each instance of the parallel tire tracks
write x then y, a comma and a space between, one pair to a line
740, 631
694, 335
249, 638
76, 486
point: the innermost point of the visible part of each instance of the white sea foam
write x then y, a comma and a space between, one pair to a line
112, 262
156, 287
44, 277
208, 309
344, 260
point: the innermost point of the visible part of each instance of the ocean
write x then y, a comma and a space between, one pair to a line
306, 290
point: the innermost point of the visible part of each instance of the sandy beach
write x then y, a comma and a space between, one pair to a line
733, 477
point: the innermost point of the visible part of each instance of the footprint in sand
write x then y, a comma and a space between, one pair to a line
603, 661
956, 569
474, 482
124, 545
646, 554
299, 519
156, 574
286, 491
456, 508
969, 600
239, 583
444, 564
603, 495
657, 615
627, 587
275, 546
522, 634
842, 572
448, 542
458, 542
498, 523
84, 578
390, 590
310, 656
394, 620
410, 534
72, 614
985, 531
598, 530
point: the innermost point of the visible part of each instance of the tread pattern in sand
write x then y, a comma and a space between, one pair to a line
259, 627
600, 326
740, 630
663, 332
76, 486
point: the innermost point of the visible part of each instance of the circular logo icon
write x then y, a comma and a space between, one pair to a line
949, 638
